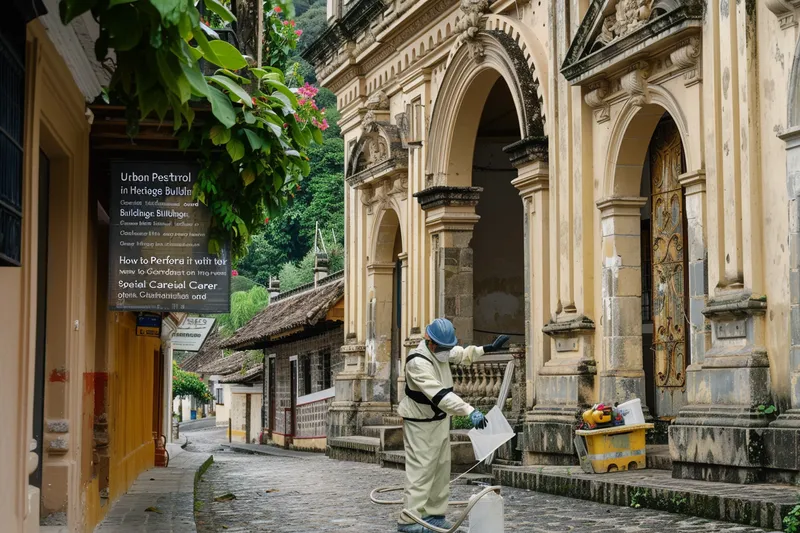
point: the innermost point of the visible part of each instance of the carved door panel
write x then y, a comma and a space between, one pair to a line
669, 284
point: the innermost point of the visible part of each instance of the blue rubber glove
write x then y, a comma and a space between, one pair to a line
497, 345
478, 420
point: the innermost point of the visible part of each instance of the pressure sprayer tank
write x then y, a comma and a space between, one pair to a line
487, 515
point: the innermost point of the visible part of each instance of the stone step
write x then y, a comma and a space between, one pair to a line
758, 505
462, 458
356, 448
459, 435
658, 457
391, 437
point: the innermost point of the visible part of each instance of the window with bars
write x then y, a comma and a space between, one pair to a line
12, 115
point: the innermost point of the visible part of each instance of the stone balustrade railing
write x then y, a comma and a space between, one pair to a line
479, 384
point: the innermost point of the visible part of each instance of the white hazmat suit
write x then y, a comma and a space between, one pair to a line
426, 411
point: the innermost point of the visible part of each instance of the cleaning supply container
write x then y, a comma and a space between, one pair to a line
632, 412
616, 448
487, 515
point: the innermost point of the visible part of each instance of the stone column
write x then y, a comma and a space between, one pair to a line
529, 156
621, 372
781, 438
350, 390
380, 283
450, 218
694, 186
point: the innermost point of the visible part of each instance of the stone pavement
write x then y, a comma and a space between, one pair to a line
167, 492
314, 494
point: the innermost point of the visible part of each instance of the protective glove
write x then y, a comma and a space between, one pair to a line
478, 420
496, 345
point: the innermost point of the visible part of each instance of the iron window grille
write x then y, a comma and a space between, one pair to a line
12, 115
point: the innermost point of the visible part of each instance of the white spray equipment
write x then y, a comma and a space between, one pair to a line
486, 515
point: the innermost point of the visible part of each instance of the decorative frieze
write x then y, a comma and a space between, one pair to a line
474, 21
785, 10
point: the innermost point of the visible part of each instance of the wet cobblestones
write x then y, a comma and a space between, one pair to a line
316, 495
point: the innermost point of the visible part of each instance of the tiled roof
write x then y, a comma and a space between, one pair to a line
299, 309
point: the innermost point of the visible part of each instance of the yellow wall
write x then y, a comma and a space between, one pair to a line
87, 346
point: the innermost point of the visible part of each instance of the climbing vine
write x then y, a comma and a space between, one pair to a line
252, 146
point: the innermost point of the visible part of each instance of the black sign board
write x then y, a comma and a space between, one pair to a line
158, 251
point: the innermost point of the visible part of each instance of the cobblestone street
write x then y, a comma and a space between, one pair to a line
311, 494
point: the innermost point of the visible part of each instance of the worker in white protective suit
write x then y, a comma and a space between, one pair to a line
429, 401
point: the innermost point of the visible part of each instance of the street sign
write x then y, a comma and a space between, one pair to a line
158, 252
192, 333
148, 325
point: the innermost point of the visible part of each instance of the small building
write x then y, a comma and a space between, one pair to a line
300, 333
231, 379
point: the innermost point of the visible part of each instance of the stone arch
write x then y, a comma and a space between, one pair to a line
472, 69
794, 91
630, 138
386, 227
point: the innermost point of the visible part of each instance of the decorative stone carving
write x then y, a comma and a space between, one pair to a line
595, 98
377, 100
441, 195
630, 15
687, 57
634, 82
785, 10
474, 21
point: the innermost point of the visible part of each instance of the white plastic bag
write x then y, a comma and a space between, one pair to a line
485, 441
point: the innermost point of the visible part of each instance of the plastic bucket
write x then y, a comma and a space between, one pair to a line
632, 412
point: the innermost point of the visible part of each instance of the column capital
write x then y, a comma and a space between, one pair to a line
532, 177
626, 206
403, 258
380, 268
446, 196
694, 181
530, 149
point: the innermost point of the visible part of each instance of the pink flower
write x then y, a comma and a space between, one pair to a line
324, 125
298, 32
314, 106
292, 23
278, 9
285, 22
266, 220
301, 101
234, 273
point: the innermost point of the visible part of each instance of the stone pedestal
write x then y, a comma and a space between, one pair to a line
353, 406
720, 435
564, 386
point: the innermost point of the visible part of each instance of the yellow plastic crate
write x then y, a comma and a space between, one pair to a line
616, 448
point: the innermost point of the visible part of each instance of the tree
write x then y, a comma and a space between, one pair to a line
251, 147
293, 275
244, 306
188, 385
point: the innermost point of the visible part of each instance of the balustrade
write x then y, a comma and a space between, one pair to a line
480, 383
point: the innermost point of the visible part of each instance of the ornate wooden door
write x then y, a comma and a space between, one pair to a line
668, 235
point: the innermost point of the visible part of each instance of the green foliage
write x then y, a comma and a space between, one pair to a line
289, 238
244, 306
639, 498
767, 410
187, 384
257, 119
293, 275
791, 522
462, 422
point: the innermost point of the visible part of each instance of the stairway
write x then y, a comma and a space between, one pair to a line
383, 444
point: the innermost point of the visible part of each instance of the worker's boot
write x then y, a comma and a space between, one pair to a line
413, 528
438, 521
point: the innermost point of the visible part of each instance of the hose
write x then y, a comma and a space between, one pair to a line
408, 514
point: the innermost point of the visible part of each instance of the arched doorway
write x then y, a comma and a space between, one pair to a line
385, 306
665, 284
498, 266
647, 294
